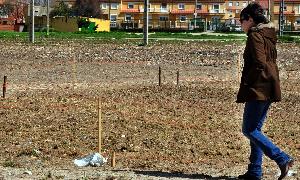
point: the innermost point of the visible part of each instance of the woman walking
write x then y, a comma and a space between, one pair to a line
259, 87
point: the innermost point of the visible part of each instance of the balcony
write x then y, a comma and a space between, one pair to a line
156, 10
113, 24
202, 11
164, 10
216, 11
130, 11
234, 7
187, 11
286, 13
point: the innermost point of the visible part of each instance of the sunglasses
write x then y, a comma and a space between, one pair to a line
244, 18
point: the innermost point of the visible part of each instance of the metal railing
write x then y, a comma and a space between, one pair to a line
157, 10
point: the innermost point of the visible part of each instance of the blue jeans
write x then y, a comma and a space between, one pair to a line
255, 113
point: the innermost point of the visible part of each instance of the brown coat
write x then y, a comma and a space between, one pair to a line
260, 76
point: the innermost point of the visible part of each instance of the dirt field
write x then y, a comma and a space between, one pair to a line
190, 130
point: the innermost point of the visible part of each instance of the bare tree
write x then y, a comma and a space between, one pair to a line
87, 8
61, 10
6, 8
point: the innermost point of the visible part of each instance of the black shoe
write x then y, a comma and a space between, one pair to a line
247, 176
284, 169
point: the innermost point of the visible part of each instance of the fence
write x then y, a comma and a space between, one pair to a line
156, 24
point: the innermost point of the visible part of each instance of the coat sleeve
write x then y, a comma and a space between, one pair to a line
258, 58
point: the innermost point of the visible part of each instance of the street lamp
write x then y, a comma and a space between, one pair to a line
195, 14
281, 18
31, 32
48, 20
146, 21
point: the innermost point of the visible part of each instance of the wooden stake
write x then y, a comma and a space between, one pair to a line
113, 159
74, 71
238, 66
159, 76
99, 126
177, 79
4, 86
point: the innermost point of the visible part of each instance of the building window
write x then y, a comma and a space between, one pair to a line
199, 6
104, 6
164, 7
181, 6
237, 11
163, 18
230, 11
114, 6
230, 4
215, 8
182, 18
237, 4
149, 8
113, 17
128, 17
284, 8
244, 4
130, 6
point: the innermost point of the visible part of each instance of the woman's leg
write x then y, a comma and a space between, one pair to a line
254, 116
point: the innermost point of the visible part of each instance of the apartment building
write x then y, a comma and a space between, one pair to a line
163, 13
291, 11
187, 14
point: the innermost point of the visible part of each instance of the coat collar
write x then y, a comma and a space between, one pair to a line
260, 27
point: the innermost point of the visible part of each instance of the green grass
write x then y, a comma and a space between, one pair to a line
121, 35
69, 35
289, 39
111, 35
197, 36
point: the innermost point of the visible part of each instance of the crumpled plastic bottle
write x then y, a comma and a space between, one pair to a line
94, 159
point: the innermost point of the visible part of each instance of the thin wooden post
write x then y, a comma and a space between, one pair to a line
159, 76
113, 159
238, 66
4, 86
74, 71
177, 79
99, 126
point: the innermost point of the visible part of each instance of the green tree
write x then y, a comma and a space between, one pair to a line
61, 10
87, 8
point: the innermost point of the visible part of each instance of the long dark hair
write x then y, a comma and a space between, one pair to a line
255, 11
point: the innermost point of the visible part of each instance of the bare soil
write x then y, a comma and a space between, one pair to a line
190, 130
